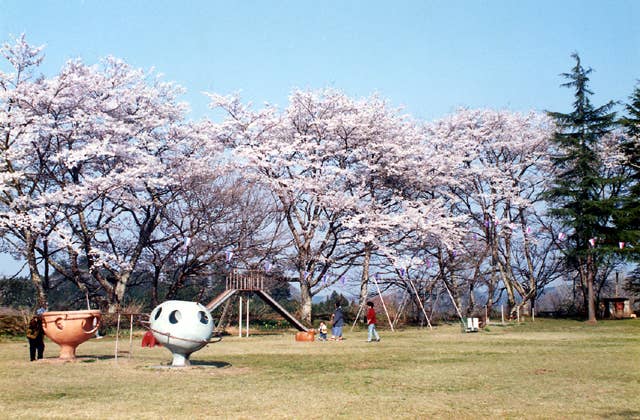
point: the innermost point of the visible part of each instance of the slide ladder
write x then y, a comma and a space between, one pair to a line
252, 282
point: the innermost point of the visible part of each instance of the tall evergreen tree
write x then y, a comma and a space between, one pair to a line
580, 196
628, 218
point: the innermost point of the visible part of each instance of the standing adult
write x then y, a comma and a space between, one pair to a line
337, 322
35, 334
371, 323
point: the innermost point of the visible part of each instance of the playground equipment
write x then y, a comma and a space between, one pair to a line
245, 284
69, 329
182, 327
306, 336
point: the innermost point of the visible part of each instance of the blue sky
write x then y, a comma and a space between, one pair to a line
429, 57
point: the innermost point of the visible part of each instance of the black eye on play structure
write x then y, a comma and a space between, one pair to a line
175, 317
158, 313
203, 317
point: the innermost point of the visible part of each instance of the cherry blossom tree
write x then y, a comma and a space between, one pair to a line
23, 163
348, 174
499, 190
92, 156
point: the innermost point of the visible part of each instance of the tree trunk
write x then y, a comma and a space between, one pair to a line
36, 279
364, 280
305, 301
591, 303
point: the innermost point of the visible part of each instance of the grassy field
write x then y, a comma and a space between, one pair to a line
546, 369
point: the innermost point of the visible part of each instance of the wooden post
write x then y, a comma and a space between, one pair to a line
502, 312
130, 334
117, 335
247, 316
240, 318
486, 315
518, 314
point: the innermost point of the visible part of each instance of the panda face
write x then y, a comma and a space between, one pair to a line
174, 320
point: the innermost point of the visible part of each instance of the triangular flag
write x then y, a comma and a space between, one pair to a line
229, 255
621, 245
592, 241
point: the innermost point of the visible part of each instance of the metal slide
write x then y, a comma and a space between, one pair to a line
224, 296
279, 309
220, 299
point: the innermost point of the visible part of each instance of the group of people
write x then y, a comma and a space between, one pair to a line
337, 323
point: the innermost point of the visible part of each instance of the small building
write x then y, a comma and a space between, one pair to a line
617, 308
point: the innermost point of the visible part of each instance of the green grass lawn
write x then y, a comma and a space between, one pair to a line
546, 369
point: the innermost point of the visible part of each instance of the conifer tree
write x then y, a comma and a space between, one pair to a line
580, 196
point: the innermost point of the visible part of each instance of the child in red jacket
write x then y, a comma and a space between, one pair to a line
371, 322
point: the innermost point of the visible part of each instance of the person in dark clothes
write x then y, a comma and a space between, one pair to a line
337, 322
35, 334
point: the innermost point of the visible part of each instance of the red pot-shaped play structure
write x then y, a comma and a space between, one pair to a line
306, 335
69, 329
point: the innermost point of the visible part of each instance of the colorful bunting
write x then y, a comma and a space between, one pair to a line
621, 244
592, 242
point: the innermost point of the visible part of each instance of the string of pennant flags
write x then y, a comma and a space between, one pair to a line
328, 278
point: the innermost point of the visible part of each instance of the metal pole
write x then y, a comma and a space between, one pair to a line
420, 303
357, 316
117, 335
247, 316
240, 318
130, 335
383, 305
502, 312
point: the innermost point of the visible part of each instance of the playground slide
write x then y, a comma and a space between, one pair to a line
279, 309
224, 296
220, 299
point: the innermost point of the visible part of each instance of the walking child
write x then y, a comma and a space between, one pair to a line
337, 322
371, 323
322, 329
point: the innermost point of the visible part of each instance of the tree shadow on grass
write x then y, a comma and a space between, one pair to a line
624, 414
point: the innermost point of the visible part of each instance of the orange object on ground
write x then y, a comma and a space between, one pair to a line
306, 335
69, 329
149, 340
